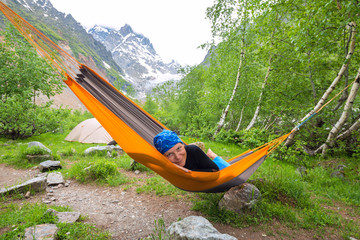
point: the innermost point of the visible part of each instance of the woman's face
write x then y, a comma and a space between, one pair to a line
177, 154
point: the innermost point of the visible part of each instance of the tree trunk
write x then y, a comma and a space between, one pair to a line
257, 111
345, 94
321, 102
226, 110
354, 127
344, 116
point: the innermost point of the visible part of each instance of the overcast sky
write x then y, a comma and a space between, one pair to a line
175, 27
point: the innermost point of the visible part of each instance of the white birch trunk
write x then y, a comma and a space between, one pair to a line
331, 88
257, 110
240, 120
352, 128
226, 110
344, 116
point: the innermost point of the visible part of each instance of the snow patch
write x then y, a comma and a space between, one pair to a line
107, 66
24, 3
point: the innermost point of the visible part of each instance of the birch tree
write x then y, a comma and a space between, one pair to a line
257, 110
332, 86
226, 110
344, 116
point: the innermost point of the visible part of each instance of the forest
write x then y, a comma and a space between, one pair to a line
271, 66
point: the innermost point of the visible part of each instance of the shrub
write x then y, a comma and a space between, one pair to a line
102, 169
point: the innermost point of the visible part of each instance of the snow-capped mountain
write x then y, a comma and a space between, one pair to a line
136, 56
119, 55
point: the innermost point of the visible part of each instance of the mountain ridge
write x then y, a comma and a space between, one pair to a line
136, 55
129, 63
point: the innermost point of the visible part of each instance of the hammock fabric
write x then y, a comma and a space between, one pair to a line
131, 126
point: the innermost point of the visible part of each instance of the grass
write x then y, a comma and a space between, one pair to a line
313, 201
16, 218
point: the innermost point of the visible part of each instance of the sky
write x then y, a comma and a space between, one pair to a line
176, 28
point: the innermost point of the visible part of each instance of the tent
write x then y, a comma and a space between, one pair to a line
89, 131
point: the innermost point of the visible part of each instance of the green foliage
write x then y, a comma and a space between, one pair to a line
160, 233
303, 44
102, 169
21, 119
158, 185
81, 231
14, 219
18, 218
24, 76
35, 150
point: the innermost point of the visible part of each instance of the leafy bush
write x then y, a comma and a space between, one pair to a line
102, 169
19, 120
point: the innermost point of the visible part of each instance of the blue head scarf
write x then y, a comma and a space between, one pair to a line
166, 140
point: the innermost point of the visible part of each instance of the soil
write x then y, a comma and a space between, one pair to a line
128, 215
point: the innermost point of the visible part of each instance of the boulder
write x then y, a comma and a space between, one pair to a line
55, 178
37, 184
109, 148
240, 198
49, 165
41, 232
195, 228
40, 145
65, 217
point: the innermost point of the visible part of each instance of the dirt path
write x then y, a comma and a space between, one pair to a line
125, 214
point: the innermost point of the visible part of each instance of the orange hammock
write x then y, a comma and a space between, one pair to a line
132, 127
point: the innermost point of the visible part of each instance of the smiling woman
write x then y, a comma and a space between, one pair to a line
186, 157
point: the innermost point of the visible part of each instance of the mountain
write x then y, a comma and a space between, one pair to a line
70, 35
135, 54
127, 59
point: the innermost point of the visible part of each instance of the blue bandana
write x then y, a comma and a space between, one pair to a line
166, 140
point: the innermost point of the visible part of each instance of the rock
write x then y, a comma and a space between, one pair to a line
40, 145
341, 167
37, 184
240, 197
201, 145
49, 165
67, 183
338, 174
44, 174
27, 195
65, 217
109, 148
195, 228
36, 158
54, 178
41, 232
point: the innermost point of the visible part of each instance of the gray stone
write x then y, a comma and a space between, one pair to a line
49, 165
37, 158
196, 228
41, 232
109, 148
37, 184
341, 167
54, 178
338, 174
65, 217
40, 145
240, 197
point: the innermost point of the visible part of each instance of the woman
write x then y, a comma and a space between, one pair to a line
187, 157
